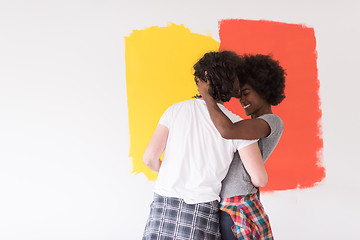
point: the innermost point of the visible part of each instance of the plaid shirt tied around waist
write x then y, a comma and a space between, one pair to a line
250, 219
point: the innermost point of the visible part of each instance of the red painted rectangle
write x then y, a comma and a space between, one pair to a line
296, 162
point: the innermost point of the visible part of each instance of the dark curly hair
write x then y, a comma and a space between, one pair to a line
264, 75
221, 68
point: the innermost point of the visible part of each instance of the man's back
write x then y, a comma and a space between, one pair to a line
196, 157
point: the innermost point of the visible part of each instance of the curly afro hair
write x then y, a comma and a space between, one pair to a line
264, 75
221, 68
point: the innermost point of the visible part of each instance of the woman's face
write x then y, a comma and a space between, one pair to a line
252, 102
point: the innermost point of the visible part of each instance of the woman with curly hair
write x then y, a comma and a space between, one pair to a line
262, 83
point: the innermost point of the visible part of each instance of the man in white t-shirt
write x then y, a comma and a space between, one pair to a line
196, 158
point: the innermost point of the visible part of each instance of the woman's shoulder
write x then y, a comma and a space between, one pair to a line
275, 122
271, 118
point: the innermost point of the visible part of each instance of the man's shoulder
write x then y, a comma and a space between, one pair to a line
182, 103
232, 116
181, 106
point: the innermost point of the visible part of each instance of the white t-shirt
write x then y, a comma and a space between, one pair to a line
196, 157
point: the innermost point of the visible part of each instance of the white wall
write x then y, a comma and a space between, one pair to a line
64, 166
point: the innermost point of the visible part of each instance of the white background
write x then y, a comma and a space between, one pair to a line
64, 138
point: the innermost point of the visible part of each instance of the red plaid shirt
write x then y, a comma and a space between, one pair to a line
250, 219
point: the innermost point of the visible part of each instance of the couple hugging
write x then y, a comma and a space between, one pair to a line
213, 164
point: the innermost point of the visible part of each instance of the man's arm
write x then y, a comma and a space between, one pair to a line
254, 165
155, 148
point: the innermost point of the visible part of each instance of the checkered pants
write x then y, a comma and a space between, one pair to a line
171, 218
